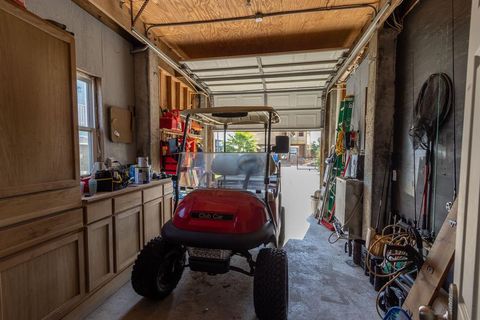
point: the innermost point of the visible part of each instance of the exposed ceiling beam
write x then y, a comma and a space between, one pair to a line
269, 75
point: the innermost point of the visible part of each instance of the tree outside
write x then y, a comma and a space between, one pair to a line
241, 142
315, 151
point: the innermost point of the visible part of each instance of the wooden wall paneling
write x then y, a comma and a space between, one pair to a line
128, 237
43, 282
163, 89
39, 117
98, 210
25, 235
185, 97
170, 91
167, 208
189, 99
152, 219
127, 201
17, 209
99, 248
178, 95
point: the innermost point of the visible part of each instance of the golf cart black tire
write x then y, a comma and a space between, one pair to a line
149, 261
281, 237
270, 284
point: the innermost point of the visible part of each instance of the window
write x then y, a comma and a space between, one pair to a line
86, 121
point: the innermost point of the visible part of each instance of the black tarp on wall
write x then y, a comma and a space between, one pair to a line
425, 47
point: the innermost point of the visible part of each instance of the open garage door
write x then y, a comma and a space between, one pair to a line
291, 83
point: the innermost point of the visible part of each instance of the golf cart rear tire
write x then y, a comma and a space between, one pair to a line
270, 284
158, 268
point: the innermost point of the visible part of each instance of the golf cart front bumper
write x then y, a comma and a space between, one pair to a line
227, 241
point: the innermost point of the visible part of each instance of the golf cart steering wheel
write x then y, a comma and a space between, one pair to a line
250, 164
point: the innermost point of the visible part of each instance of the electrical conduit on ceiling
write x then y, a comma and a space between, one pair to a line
259, 16
367, 35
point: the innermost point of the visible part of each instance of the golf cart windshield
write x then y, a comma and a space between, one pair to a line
223, 170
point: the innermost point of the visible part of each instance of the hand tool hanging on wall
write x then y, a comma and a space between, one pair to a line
430, 112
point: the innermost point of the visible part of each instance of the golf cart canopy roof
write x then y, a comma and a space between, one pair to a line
233, 115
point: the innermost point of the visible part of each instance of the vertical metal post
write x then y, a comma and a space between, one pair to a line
267, 169
265, 140
179, 160
224, 138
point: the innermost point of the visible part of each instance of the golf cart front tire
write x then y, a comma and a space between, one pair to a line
158, 269
270, 284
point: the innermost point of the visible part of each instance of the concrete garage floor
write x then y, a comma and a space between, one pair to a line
322, 285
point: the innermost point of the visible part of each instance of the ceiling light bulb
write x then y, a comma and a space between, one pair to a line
258, 17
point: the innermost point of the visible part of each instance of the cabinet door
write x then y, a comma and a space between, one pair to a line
39, 105
152, 219
99, 252
43, 282
167, 208
128, 237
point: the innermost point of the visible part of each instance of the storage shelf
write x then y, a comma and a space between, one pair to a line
180, 133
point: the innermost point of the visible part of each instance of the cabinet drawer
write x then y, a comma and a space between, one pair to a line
98, 210
99, 242
128, 237
168, 188
152, 193
25, 235
127, 201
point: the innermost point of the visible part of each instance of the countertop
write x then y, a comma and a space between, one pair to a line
131, 188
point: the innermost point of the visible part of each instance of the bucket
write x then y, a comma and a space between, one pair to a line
315, 202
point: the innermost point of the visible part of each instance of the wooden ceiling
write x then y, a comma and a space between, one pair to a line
307, 31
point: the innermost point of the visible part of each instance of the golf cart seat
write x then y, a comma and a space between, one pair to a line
228, 164
225, 164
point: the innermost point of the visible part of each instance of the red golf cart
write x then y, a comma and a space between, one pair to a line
232, 204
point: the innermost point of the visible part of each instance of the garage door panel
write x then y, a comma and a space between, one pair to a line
299, 119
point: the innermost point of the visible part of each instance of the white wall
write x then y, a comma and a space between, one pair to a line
102, 53
356, 86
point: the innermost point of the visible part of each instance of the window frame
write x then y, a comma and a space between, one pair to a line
92, 114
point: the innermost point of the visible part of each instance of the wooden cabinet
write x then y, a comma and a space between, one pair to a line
152, 193
42, 269
99, 242
152, 219
28, 234
127, 201
98, 210
43, 282
128, 237
167, 207
39, 144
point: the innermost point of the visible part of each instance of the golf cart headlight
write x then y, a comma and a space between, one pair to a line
217, 254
